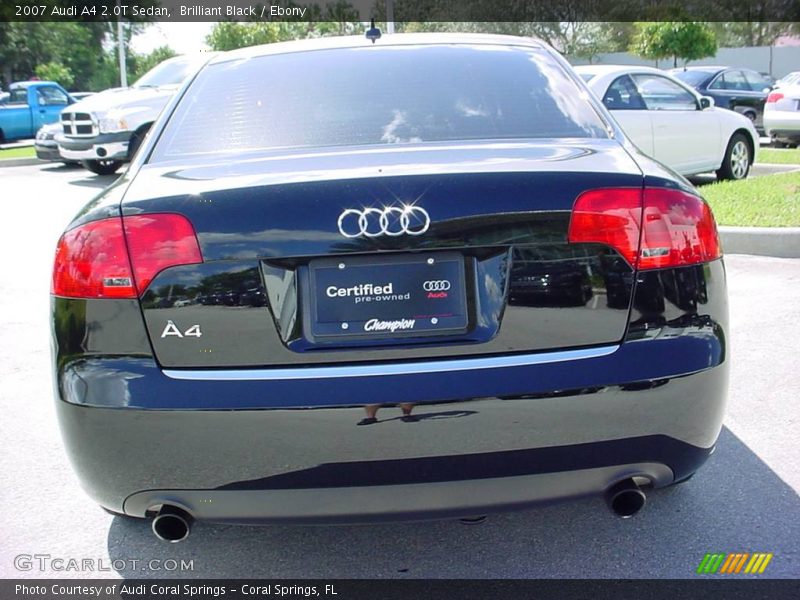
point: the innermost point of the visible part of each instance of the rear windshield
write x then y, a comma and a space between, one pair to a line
167, 73
373, 95
693, 78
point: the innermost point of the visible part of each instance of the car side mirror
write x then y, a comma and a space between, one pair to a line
706, 102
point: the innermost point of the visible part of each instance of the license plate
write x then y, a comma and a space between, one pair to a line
386, 297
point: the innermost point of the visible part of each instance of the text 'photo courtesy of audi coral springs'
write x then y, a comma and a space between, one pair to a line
433, 280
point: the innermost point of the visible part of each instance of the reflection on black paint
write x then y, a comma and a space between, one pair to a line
224, 288
569, 276
674, 300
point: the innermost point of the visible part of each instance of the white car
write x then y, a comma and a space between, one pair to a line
672, 123
782, 116
792, 78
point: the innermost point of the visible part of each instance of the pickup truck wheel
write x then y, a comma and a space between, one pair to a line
133, 145
738, 158
102, 167
136, 140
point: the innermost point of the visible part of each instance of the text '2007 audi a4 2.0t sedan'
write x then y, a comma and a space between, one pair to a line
426, 277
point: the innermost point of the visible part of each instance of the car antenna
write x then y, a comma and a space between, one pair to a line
373, 33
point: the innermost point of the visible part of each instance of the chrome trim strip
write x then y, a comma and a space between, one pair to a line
378, 370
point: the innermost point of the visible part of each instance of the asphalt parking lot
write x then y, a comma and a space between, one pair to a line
744, 500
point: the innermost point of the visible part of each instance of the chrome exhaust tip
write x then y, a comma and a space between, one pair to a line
172, 524
625, 498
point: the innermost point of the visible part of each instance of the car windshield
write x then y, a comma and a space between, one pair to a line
790, 79
380, 96
169, 72
693, 78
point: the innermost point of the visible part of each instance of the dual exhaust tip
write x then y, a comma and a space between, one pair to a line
173, 524
625, 498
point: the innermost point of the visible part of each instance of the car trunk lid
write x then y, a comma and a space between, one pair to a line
288, 239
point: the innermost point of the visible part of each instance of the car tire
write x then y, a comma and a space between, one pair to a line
738, 159
102, 167
136, 140
133, 145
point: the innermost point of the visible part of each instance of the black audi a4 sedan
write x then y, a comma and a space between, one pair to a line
295, 304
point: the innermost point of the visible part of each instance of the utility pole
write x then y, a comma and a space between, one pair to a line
389, 16
123, 72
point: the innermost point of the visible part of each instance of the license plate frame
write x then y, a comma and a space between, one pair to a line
385, 297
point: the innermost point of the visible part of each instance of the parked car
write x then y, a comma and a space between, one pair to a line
782, 116
790, 79
741, 90
769, 80
385, 375
4, 96
46, 146
30, 105
45, 142
671, 122
104, 130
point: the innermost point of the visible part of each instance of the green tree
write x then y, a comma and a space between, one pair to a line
586, 39
340, 20
77, 46
145, 62
617, 34
688, 40
752, 33
55, 71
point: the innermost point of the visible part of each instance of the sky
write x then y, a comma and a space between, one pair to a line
184, 38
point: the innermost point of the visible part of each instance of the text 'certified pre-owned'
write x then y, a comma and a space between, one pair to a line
390, 220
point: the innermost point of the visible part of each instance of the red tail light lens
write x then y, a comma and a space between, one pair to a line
93, 260
159, 241
608, 216
774, 97
677, 228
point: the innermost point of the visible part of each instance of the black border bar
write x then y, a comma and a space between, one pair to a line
494, 11
733, 588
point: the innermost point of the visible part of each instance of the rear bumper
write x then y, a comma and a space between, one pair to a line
460, 457
782, 124
419, 501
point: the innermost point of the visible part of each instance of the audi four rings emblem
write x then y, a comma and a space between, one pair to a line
441, 285
391, 220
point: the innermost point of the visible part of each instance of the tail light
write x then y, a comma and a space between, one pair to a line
118, 258
774, 97
652, 228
